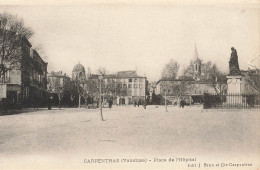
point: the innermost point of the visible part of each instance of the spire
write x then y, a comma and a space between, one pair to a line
196, 56
196, 63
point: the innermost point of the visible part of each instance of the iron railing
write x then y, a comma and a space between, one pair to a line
231, 101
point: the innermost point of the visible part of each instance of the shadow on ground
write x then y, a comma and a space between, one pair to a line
27, 110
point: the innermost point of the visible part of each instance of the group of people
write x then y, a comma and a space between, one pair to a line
138, 103
179, 102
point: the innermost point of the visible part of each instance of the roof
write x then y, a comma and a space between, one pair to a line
26, 41
57, 74
35, 53
124, 74
220, 79
127, 73
174, 79
121, 76
78, 68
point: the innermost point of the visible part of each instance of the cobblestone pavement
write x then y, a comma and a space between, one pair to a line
128, 131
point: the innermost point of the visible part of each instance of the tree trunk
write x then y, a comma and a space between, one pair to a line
79, 101
86, 102
59, 103
190, 100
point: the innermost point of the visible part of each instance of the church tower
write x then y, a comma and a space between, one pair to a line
196, 64
78, 72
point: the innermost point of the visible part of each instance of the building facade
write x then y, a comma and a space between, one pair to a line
196, 81
25, 84
62, 88
129, 87
189, 88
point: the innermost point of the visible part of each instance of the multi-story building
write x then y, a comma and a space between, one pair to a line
37, 69
250, 82
61, 86
194, 85
189, 88
129, 87
26, 82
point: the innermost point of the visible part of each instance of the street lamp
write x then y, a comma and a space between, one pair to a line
145, 94
100, 77
165, 102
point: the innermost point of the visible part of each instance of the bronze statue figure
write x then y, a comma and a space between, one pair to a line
233, 63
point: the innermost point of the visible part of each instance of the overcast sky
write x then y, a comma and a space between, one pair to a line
146, 37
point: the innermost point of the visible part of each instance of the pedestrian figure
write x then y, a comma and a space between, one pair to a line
35, 103
3, 105
139, 102
182, 103
49, 102
123, 101
110, 102
135, 103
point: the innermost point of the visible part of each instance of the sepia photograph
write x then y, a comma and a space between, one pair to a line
130, 85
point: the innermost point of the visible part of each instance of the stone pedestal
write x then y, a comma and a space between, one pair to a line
234, 83
234, 89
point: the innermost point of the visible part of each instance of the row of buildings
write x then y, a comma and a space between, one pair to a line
26, 83
124, 87
193, 87
29, 84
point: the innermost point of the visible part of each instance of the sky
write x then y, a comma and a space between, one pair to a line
123, 37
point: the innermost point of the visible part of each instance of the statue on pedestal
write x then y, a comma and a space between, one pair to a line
233, 63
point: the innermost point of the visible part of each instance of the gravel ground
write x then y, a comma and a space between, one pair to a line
64, 138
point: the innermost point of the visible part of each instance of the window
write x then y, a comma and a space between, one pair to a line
140, 86
7, 74
130, 80
135, 80
246, 86
61, 82
129, 85
135, 86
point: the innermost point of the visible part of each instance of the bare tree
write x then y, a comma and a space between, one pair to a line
80, 89
92, 88
216, 79
170, 69
55, 86
209, 72
189, 70
102, 70
253, 79
41, 51
12, 33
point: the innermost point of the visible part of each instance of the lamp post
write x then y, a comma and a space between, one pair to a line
100, 77
165, 102
145, 94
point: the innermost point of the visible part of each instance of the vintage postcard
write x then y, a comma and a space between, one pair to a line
130, 85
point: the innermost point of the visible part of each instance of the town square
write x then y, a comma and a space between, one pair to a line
130, 86
66, 137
